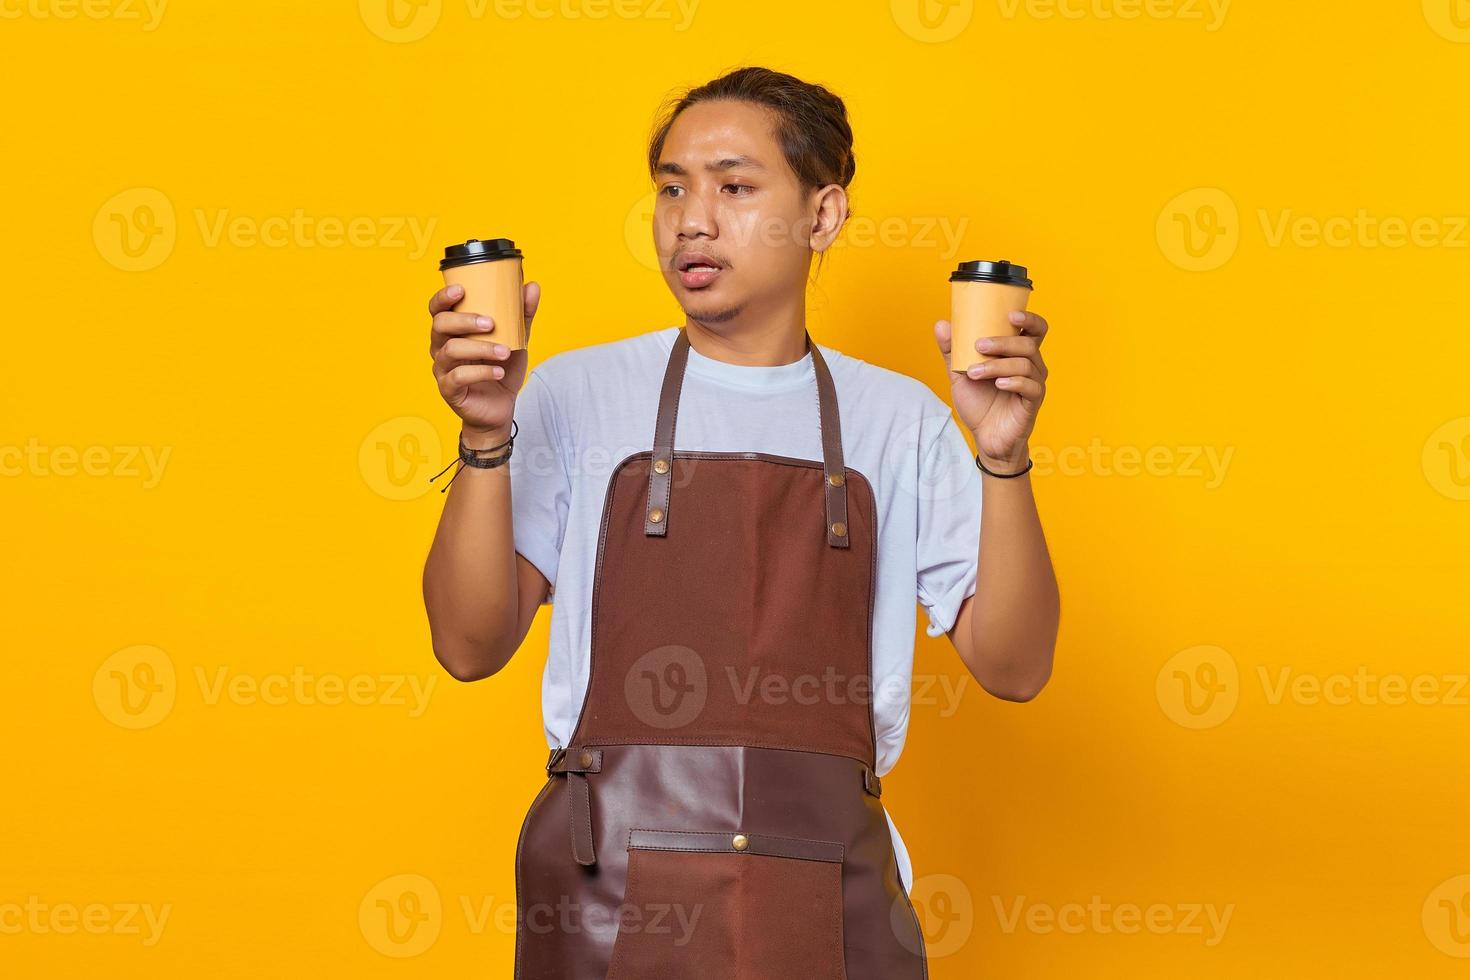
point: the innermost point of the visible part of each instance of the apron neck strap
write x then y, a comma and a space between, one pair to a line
660, 472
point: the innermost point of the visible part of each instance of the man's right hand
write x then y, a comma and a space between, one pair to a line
478, 379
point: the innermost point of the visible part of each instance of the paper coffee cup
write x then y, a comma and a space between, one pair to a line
982, 297
490, 272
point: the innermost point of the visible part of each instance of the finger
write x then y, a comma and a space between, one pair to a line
1003, 367
1028, 388
467, 350
1002, 347
1008, 346
1031, 324
448, 325
445, 298
465, 375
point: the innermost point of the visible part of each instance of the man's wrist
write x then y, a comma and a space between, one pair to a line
478, 438
1011, 463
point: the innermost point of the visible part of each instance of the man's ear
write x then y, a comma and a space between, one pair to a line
830, 216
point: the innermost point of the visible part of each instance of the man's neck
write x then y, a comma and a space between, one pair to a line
770, 343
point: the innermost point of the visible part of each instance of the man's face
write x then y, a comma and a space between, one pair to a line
731, 222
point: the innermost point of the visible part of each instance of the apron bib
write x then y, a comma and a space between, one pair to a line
716, 815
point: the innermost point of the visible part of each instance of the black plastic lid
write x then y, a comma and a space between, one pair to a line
982, 271
476, 250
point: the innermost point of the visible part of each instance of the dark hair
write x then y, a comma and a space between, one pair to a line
811, 122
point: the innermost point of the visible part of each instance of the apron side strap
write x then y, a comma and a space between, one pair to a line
871, 783
581, 804
575, 764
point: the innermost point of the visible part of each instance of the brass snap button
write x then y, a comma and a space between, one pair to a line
656, 515
835, 479
660, 466
740, 842
839, 528
585, 759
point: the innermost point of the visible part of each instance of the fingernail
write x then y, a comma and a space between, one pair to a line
1017, 316
976, 370
984, 343
501, 350
456, 290
483, 322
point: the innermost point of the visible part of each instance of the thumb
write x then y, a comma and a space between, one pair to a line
531, 299
943, 336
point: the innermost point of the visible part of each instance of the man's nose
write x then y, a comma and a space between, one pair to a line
695, 216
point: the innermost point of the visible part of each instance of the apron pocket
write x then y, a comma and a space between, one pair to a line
729, 906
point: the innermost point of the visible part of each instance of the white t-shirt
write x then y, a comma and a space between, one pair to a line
583, 411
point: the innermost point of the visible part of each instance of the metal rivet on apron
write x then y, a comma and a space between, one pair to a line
740, 842
660, 466
839, 528
835, 479
655, 515
585, 759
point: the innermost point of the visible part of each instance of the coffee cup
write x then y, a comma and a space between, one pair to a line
490, 272
982, 296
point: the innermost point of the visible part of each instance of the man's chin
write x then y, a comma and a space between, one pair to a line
711, 312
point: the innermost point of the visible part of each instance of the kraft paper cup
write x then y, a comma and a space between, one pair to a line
490, 272
982, 296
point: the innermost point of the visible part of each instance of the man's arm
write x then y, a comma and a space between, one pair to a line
480, 594
1006, 632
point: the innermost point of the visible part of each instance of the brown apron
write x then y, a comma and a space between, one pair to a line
716, 814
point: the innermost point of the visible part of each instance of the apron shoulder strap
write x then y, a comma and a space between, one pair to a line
660, 471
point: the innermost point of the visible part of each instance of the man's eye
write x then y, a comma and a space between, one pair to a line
664, 190
741, 187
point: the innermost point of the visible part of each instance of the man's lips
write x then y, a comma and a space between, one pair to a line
697, 270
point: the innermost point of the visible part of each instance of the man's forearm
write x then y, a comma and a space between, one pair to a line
1013, 624
470, 575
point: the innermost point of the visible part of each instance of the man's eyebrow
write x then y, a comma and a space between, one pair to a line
727, 163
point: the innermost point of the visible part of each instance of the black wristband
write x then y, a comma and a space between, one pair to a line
472, 457
1004, 476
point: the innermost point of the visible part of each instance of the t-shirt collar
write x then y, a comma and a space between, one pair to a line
752, 377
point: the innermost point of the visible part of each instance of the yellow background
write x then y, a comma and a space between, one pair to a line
311, 821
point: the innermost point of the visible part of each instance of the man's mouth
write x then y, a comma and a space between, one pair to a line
696, 271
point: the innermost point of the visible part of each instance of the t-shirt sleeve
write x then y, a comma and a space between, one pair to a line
948, 522
540, 487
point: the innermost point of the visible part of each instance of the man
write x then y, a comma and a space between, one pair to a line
735, 564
